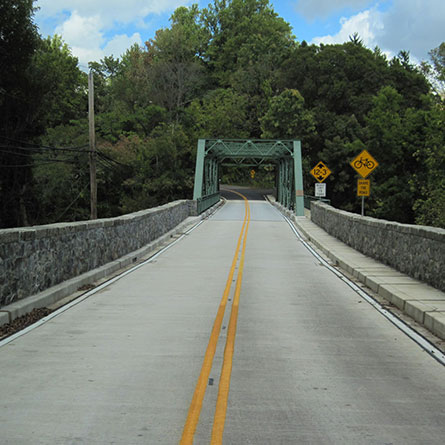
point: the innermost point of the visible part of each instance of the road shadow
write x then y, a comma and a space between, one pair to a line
252, 194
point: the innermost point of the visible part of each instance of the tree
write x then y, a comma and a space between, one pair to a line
18, 42
430, 207
231, 70
438, 57
59, 82
221, 114
436, 71
176, 68
396, 135
287, 117
248, 45
408, 80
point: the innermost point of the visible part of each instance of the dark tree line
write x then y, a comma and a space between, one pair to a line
231, 70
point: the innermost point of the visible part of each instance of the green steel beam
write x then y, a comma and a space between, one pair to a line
199, 172
298, 171
244, 164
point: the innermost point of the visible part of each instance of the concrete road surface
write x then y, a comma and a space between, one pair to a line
313, 363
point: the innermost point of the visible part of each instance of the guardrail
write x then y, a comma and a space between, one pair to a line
206, 202
309, 198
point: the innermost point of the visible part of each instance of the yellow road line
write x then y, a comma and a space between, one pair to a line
198, 396
226, 370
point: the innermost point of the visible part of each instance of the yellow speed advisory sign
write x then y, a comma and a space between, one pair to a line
363, 187
364, 164
320, 172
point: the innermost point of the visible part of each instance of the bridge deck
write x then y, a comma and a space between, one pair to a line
313, 362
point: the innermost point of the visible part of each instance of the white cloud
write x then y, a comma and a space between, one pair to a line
87, 25
366, 24
86, 55
110, 11
82, 31
411, 25
87, 41
120, 43
312, 9
415, 26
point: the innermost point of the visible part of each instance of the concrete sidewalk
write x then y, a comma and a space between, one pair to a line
425, 304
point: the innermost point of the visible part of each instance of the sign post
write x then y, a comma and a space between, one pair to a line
364, 164
363, 189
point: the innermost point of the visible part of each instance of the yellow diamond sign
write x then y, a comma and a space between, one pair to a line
320, 172
364, 164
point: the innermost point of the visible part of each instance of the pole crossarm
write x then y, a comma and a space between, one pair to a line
285, 155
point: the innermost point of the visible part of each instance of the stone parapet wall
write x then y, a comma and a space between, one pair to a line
417, 251
36, 258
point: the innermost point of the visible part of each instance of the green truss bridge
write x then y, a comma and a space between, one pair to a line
285, 155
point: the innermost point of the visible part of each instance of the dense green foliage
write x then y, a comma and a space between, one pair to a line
231, 70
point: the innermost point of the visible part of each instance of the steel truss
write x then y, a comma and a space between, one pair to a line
285, 155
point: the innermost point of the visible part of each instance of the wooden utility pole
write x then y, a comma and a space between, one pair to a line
93, 182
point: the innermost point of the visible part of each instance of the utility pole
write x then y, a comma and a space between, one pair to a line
93, 182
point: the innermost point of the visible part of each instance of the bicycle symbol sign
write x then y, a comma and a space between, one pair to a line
364, 164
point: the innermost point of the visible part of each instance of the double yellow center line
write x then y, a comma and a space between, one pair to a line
224, 382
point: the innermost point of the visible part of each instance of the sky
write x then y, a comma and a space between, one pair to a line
97, 28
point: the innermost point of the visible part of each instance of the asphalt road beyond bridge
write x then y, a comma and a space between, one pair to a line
235, 334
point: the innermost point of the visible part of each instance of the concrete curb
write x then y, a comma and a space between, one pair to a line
423, 303
72, 287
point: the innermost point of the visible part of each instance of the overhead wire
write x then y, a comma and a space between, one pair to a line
33, 146
46, 149
104, 156
35, 164
105, 160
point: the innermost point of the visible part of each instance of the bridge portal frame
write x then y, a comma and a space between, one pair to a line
284, 154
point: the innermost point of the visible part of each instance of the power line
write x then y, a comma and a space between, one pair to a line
41, 147
106, 161
36, 164
12, 152
106, 157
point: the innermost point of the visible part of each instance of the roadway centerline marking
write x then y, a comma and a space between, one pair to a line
201, 385
226, 370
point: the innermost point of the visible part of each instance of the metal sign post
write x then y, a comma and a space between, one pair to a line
363, 189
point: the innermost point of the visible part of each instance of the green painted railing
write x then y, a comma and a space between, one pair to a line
308, 199
206, 202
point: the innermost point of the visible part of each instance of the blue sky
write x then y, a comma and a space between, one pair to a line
97, 28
